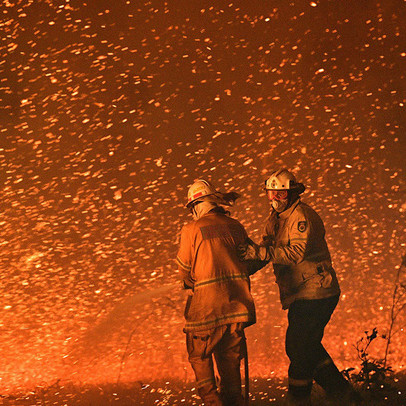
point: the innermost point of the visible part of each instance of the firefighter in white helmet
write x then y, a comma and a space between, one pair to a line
220, 305
294, 242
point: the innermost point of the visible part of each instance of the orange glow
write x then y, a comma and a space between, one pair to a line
109, 110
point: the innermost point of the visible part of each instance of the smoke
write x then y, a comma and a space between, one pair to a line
122, 314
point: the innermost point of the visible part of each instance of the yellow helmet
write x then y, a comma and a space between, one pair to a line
282, 180
199, 189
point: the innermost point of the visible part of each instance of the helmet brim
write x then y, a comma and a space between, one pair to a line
299, 187
198, 199
226, 199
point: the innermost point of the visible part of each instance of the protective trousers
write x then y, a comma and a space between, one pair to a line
308, 358
227, 344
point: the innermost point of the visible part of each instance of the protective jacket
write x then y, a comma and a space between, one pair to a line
210, 266
300, 256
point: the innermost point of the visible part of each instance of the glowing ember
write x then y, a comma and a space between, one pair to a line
111, 109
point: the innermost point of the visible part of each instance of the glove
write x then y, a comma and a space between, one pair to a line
254, 256
252, 251
268, 241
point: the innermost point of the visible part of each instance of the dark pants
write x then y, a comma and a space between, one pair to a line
228, 346
308, 358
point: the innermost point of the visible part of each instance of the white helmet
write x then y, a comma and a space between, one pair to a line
199, 189
282, 180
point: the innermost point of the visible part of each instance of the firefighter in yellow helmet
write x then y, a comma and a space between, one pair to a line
294, 242
220, 304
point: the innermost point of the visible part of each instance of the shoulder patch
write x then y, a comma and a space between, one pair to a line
301, 226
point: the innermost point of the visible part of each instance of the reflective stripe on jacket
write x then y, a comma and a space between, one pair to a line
209, 264
301, 259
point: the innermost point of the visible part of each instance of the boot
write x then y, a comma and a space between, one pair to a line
232, 400
299, 395
297, 401
210, 396
350, 397
212, 401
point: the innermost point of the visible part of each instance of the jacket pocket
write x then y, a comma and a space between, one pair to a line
196, 345
326, 278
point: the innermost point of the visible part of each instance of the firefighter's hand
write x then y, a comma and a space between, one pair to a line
244, 249
250, 254
268, 241
251, 251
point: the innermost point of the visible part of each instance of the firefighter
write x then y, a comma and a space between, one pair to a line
220, 305
294, 242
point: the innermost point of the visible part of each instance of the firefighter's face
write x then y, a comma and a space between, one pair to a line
279, 199
192, 208
276, 194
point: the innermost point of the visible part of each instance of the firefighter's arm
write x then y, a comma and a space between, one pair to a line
186, 278
294, 251
184, 261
